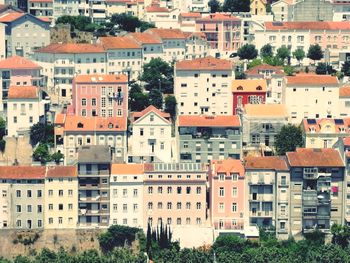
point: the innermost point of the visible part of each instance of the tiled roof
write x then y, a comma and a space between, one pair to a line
306, 157
17, 62
61, 171
191, 14
166, 33
207, 63
263, 67
228, 166
346, 141
266, 163
156, 9
249, 85
312, 80
71, 48
266, 110
23, 92
123, 168
10, 17
22, 172
209, 121
59, 118
344, 92
315, 25
218, 17
119, 43
139, 114
144, 38
315, 125
94, 78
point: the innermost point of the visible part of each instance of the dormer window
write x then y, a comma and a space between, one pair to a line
80, 125
110, 125
239, 88
258, 88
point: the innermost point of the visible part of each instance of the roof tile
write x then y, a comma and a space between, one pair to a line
209, 121
207, 63
266, 163
17, 62
23, 92
314, 25
22, 172
306, 157
119, 43
312, 79
249, 85
71, 48
61, 171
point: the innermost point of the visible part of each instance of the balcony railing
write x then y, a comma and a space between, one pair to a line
261, 214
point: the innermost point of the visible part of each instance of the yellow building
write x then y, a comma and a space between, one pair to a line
324, 133
132, 7
258, 7
61, 197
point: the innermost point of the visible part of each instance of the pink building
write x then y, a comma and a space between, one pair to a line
223, 31
100, 95
226, 189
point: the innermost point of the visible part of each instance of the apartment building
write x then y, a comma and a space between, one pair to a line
274, 77
280, 10
197, 45
61, 197
202, 86
126, 195
94, 167
324, 133
65, 8
162, 17
317, 190
175, 194
100, 95
311, 96
132, 7
267, 194
2, 42
258, 7
205, 138
151, 139
74, 132
42, 9
187, 21
312, 10
226, 195
344, 101
247, 91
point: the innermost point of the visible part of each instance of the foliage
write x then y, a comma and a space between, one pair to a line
315, 52
138, 100
2, 128
254, 63
170, 106
57, 157
345, 68
239, 74
2, 145
341, 235
158, 74
81, 23
266, 51
324, 69
288, 139
236, 6
42, 133
247, 51
289, 70
299, 54
41, 153
315, 237
156, 98
273, 61
283, 53
129, 23
215, 6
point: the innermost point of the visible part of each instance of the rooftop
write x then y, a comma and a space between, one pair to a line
346, 141
10, 17
326, 125
61, 171
209, 121
344, 92
119, 43
144, 38
166, 33
156, 9
95, 78
306, 157
207, 63
130, 168
218, 17
22, 172
151, 108
228, 166
17, 62
71, 48
312, 25
249, 85
312, 80
191, 15
277, 163
23, 92
94, 154
264, 67
266, 110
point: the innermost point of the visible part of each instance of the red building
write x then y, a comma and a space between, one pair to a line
248, 91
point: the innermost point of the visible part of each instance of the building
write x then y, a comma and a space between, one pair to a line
42, 9
132, 7
187, 21
17, 71
175, 194
311, 96
162, 17
25, 33
324, 133
258, 7
61, 197
202, 86
261, 124
26, 106
94, 168
247, 91
65, 8
100, 95
75, 132
126, 195
2, 42
312, 10
151, 139
267, 193
317, 187
341, 10
280, 10
227, 195
274, 77
344, 101
197, 45
205, 138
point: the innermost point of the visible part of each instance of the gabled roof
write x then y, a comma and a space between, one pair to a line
263, 67
228, 166
314, 25
119, 43
129, 168
17, 62
344, 92
10, 17
207, 63
266, 110
144, 38
61, 171
191, 15
249, 85
266, 163
102, 78
23, 92
209, 121
306, 157
346, 141
312, 80
22, 172
167, 33
151, 108
71, 48
315, 125
156, 9
218, 17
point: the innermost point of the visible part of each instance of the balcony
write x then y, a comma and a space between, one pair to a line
93, 212
310, 198
94, 173
261, 214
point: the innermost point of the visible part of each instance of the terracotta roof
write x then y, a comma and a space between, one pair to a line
314, 25
266, 163
10, 17
228, 166
59, 118
316, 125
191, 14
344, 92
209, 121
305, 157
139, 114
197, 34
144, 38
71, 48
17, 62
23, 92
156, 9
257, 70
118, 43
218, 17
312, 80
61, 171
266, 110
95, 78
167, 33
346, 141
22, 172
45, 19
123, 168
208, 63
80, 123
249, 85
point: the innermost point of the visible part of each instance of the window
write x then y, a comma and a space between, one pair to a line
18, 209
135, 192
179, 189
29, 208
150, 205
18, 193
29, 193
188, 190
150, 190
198, 190
221, 177
50, 220
60, 192
60, 206
169, 205
178, 205
70, 192
169, 190
234, 207
125, 208
188, 205
50, 206
234, 191
160, 190
83, 102
141, 131
221, 191
70, 206
198, 205
39, 209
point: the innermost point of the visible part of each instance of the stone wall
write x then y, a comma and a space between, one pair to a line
62, 34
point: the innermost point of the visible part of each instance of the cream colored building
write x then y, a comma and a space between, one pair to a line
5, 204
258, 7
2, 41
280, 10
344, 101
61, 197
133, 7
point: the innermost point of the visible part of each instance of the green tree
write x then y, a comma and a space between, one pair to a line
315, 52
340, 235
214, 6
81, 23
255, 62
236, 6
145, 25
283, 53
156, 98
41, 153
126, 22
247, 51
42, 132
288, 139
138, 100
289, 70
57, 157
266, 51
345, 68
324, 69
2, 128
299, 55
170, 105
2, 145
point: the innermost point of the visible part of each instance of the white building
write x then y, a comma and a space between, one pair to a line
311, 96
151, 140
126, 195
203, 86
65, 8
25, 107
162, 17
344, 101
280, 10
341, 10
5, 201
2, 41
